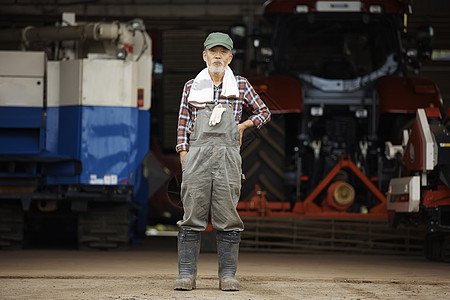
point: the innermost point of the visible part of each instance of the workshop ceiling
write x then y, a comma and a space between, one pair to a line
163, 14
159, 14
207, 15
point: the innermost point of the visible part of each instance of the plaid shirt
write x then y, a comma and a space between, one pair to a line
247, 97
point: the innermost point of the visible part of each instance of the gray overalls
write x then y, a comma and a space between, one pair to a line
212, 174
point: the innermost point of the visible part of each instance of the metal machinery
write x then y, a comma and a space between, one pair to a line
422, 190
333, 74
74, 130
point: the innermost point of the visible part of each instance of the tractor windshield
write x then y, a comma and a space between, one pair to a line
334, 46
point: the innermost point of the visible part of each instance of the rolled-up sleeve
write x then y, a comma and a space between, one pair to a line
184, 121
260, 112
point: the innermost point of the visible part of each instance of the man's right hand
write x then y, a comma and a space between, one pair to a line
182, 155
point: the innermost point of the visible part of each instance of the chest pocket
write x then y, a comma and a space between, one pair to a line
224, 130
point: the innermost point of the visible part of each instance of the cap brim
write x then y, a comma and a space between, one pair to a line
218, 44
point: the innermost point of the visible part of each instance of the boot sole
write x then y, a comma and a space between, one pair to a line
179, 286
229, 286
183, 289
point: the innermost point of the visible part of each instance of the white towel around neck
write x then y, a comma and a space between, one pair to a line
202, 90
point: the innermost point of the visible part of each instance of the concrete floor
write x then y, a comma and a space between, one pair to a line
147, 271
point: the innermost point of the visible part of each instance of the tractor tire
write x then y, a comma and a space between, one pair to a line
104, 228
263, 160
11, 225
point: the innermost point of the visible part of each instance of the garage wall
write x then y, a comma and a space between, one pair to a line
181, 26
182, 61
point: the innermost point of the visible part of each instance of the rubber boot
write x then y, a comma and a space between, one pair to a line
228, 249
188, 251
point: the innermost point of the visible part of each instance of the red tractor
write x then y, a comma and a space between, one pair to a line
333, 74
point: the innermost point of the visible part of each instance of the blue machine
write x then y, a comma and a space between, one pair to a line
73, 135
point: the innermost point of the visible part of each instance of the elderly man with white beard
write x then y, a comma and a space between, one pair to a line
209, 138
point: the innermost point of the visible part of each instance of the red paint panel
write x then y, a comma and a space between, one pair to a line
282, 94
412, 158
433, 113
407, 94
438, 198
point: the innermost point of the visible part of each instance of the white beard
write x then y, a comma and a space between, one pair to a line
214, 69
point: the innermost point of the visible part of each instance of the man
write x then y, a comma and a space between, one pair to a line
209, 139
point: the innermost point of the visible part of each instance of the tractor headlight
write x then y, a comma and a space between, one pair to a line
316, 111
361, 113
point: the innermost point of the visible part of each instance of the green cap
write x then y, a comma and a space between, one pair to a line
218, 39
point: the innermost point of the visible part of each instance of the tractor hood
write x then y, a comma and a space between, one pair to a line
282, 94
